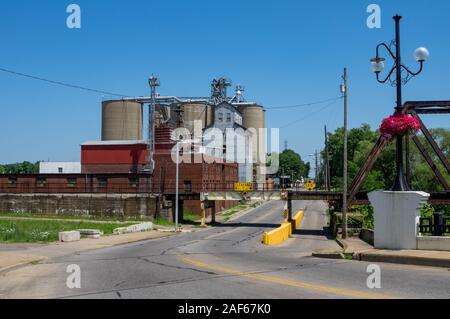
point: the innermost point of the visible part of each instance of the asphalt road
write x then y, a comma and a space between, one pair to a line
226, 262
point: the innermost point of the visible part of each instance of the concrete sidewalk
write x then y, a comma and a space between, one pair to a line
362, 251
13, 256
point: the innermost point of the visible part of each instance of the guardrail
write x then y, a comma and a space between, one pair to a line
436, 225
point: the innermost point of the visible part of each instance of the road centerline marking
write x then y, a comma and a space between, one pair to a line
286, 282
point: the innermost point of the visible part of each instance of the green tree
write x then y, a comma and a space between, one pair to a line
291, 162
20, 168
360, 142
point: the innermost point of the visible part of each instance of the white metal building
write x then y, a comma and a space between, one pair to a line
60, 168
237, 148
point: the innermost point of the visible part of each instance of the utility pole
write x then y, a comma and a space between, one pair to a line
154, 83
317, 167
344, 90
292, 179
327, 163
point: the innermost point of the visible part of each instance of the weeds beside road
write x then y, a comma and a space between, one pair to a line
45, 231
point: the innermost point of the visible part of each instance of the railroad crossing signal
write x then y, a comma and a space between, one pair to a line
310, 185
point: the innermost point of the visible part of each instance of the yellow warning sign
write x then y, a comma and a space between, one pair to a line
243, 187
310, 185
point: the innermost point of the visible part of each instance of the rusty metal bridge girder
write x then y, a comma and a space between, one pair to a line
368, 165
360, 198
314, 195
434, 145
427, 107
440, 178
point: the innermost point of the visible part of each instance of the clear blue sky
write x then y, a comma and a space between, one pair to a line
284, 52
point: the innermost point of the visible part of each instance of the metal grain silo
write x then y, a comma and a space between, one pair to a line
122, 120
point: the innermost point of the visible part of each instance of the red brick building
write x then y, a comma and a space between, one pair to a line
128, 157
74, 183
131, 157
119, 167
113, 157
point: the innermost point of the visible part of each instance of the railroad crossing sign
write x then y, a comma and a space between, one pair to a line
310, 185
243, 187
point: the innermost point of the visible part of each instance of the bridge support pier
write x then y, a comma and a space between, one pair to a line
202, 206
213, 213
180, 210
289, 209
396, 218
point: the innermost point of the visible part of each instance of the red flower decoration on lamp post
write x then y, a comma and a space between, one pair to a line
398, 125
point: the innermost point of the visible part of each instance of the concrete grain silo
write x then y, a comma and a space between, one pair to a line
192, 112
122, 121
254, 118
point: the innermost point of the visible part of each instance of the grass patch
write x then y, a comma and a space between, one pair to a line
191, 218
86, 218
348, 256
15, 231
163, 222
236, 209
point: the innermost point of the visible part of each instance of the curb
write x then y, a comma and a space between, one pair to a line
404, 260
342, 243
329, 255
332, 254
20, 265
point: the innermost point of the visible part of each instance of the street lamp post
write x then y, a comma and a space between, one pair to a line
421, 54
177, 187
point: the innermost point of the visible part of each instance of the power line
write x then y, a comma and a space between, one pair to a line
304, 105
311, 114
73, 86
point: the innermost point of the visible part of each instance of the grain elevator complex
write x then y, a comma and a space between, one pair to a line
222, 138
123, 122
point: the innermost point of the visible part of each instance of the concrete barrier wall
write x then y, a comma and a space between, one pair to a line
433, 243
367, 235
278, 236
296, 221
79, 204
282, 233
